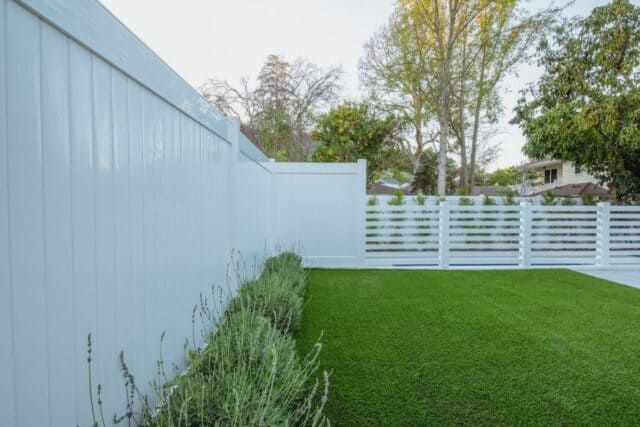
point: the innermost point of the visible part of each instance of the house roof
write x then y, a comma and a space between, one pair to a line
581, 189
381, 189
534, 164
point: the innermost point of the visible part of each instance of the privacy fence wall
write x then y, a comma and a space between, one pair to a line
123, 196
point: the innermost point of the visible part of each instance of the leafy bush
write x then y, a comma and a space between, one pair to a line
287, 261
509, 197
466, 201
488, 201
397, 199
277, 297
420, 199
248, 374
548, 199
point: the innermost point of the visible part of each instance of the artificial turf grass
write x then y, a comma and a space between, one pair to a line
410, 347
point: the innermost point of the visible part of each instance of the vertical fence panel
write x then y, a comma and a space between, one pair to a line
57, 208
82, 214
26, 212
7, 382
122, 215
105, 340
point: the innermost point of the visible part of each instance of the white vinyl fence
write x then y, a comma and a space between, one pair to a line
123, 194
521, 235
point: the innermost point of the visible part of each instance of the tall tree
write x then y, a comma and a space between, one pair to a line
586, 106
353, 131
392, 74
501, 38
441, 61
440, 24
279, 109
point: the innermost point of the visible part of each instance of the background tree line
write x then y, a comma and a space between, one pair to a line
431, 79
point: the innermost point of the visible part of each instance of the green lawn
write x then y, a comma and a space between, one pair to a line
475, 347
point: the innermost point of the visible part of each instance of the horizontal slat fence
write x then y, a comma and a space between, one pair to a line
520, 235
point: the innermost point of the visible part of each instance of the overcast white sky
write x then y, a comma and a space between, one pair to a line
231, 39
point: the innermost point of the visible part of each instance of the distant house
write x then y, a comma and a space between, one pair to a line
562, 178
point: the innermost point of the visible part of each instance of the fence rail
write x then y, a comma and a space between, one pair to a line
520, 235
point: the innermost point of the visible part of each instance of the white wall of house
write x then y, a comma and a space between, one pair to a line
566, 174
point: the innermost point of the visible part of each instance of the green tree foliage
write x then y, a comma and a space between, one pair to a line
504, 177
352, 131
278, 110
426, 177
586, 106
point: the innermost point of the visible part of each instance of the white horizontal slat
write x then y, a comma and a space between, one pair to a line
411, 223
485, 224
625, 224
564, 232
402, 209
564, 245
626, 246
625, 208
566, 216
482, 217
564, 209
559, 255
484, 246
539, 224
465, 239
633, 253
480, 256
393, 241
564, 239
403, 232
485, 208
400, 247
408, 215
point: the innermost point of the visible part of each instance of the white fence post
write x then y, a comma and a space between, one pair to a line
362, 235
603, 221
525, 234
443, 248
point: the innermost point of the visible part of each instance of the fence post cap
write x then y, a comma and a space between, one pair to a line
443, 203
525, 203
604, 204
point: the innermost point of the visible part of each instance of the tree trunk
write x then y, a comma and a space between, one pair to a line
476, 127
443, 115
419, 146
462, 139
442, 147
